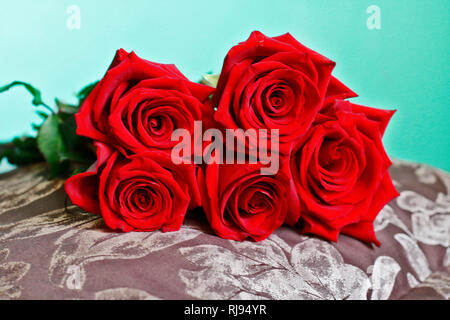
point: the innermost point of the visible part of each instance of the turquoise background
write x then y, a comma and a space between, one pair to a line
403, 66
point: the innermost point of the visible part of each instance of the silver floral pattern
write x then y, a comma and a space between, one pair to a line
64, 252
312, 269
10, 275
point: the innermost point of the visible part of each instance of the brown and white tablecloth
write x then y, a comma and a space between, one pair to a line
50, 249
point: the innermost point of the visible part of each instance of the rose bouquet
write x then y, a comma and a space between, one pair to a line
297, 151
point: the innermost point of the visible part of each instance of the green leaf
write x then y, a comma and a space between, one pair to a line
79, 170
37, 98
76, 147
21, 157
50, 143
65, 107
84, 93
42, 114
57, 141
68, 130
75, 156
22, 151
25, 143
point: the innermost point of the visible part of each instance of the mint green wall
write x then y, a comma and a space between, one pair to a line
405, 65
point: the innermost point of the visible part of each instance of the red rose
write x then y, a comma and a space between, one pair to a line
138, 104
340, 170
274, 83
144, 192
239, 202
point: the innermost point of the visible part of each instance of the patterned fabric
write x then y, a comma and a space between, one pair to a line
49, 251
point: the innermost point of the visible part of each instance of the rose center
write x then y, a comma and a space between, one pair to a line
257, 203
278, 100
275, 99
142, 197
330, 152
155, 123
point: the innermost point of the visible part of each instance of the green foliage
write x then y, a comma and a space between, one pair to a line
22, 151
83, 93
56, 142
50, 144
37, 98
65, 107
